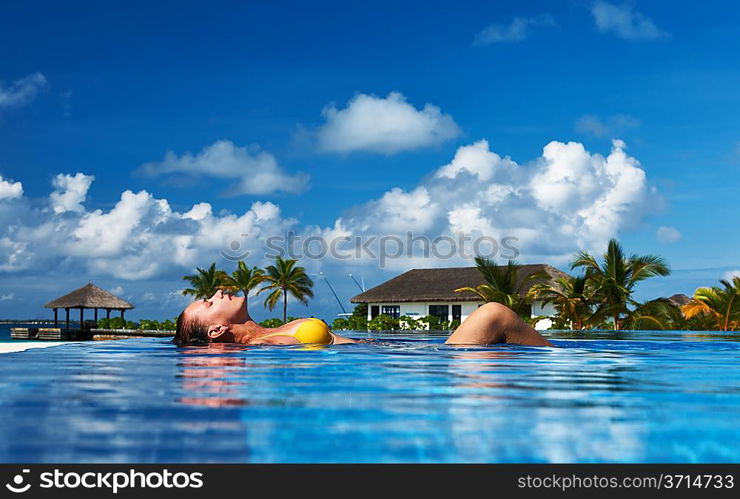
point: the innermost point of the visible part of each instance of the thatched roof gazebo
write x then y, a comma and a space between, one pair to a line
88, 296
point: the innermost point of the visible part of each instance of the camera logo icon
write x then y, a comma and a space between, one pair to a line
17, 486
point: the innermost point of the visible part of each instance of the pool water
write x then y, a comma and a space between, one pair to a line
596, 397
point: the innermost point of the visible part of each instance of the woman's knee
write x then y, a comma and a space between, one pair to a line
495, 310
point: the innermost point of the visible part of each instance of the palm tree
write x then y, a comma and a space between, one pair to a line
616, 277
659, 314
205, 283
720, 306
244, 279
501, 285
285, 278
572, 297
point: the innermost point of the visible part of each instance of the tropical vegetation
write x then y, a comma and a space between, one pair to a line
205, 282
601, 296
286, 278
502, 285
613, 280
716, 307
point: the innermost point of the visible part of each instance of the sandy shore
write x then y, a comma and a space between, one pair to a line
21, 346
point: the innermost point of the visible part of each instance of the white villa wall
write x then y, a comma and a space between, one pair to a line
420, 309
546, 310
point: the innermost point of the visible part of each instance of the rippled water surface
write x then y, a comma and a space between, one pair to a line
596, 397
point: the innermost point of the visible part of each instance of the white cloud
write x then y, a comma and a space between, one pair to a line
70, 192
731, 274
139, 238
253, 170
477, 160
7, 297
383, 125
10, 189
624, 22
668, 235
519, 29
611, 126
21, 91
117, 290
566, 200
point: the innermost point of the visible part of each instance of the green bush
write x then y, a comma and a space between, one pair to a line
270, 323
131, 325
384, 322
117, 323
150, 325
167, 325
340, 323
358, 319
433, 323
104, 323
407, 323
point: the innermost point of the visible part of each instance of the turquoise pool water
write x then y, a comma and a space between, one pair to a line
597, 397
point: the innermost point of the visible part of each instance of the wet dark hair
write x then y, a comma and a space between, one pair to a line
190, 331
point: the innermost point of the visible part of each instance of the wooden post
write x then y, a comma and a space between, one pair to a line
96, 317
56, 320
122, 311
67, 310
107, 313
82, 320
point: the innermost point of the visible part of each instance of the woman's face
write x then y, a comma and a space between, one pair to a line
219, 309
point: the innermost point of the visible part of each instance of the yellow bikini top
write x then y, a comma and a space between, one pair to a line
309, 331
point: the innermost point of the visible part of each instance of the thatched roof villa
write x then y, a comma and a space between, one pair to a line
421, 292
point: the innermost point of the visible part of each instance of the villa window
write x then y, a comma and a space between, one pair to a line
392, 310
440, 311
457, 312
374, 311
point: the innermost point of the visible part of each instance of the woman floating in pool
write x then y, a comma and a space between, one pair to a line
224, 318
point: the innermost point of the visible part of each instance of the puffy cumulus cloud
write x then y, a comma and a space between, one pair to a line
21, 91
624, 22
140, 237
518, 30
597, 195
668, 235
10, 189
396, 209
566, 200
70, 192
477, 160
383, 125
253, 171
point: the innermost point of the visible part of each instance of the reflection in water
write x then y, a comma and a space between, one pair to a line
656, 399
211, 374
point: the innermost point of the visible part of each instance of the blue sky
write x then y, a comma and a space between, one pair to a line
301, 91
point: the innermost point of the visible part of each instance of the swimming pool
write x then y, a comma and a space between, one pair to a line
599, 397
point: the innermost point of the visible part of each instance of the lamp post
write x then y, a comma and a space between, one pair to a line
362, 288
333, 292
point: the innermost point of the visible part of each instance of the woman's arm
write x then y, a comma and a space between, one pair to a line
495, 323
339, 340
